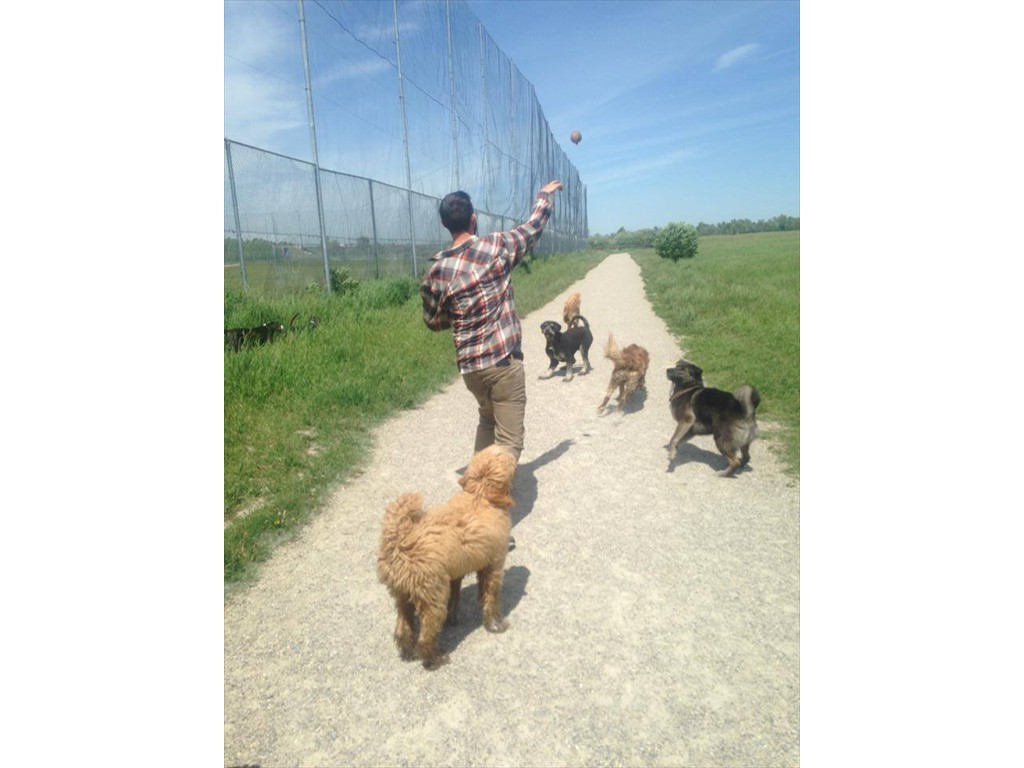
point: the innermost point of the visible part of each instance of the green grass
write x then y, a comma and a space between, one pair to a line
736, 309
299, 412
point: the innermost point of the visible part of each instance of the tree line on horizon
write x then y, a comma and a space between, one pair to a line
644, 238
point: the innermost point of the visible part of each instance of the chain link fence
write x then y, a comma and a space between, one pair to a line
378, 110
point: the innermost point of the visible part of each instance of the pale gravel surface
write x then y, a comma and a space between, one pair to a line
654, 615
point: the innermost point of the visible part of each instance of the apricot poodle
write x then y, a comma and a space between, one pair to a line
424, 554
571, 311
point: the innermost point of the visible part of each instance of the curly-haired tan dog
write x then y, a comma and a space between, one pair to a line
628, 372
571, 311
424, 555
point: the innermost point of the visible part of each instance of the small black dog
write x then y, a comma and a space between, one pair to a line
261, 334
236, 338
563, 346
700, 410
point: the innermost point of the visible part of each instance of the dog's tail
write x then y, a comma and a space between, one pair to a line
400, 518
583, 320
749, 398
291, 323
611, 349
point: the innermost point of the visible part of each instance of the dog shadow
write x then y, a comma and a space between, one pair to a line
689, 453
634, 404
524, 487
577, 370
471, 617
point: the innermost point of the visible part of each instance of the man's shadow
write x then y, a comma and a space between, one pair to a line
524, 487
470, 616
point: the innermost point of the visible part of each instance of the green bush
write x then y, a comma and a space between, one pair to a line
342, 281
677, 241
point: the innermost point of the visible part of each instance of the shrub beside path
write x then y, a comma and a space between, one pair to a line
654, 614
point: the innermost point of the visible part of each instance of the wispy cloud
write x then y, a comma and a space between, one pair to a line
729, 58
640, 168
367, 67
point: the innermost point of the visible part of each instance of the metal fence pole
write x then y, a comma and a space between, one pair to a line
238, 221
373, 221
405, 138
487, 155
451, 88
316, 155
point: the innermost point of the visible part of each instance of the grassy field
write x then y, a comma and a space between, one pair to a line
299, 412
736, 309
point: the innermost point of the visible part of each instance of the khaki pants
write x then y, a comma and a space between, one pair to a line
500, 392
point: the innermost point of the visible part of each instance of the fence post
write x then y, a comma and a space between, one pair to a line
238, 222
451, 88
373, 221
487, 154
316, 154
405, 137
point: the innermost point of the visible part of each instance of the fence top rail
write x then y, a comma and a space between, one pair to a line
349, 175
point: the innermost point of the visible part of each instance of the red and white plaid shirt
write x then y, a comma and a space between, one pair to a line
469, 288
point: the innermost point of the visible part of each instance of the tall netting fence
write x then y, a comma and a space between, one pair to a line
347, 122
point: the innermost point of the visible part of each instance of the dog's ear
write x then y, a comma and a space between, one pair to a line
490, 476
498, 496
498, 480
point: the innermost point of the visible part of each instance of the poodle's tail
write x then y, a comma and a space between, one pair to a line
400, 518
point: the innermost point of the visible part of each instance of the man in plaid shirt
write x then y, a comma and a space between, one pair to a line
469, 288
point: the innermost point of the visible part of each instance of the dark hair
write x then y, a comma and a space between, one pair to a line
455, 210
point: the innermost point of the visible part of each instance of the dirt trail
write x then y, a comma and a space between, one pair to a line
654, 615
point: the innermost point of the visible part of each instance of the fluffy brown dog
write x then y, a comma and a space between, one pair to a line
628, 372
424, 555
571, 311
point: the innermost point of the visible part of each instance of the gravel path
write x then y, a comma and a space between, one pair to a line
655, 615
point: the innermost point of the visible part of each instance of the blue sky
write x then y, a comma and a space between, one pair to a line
690, 111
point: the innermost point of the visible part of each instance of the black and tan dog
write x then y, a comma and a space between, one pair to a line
562, 346
700, 410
